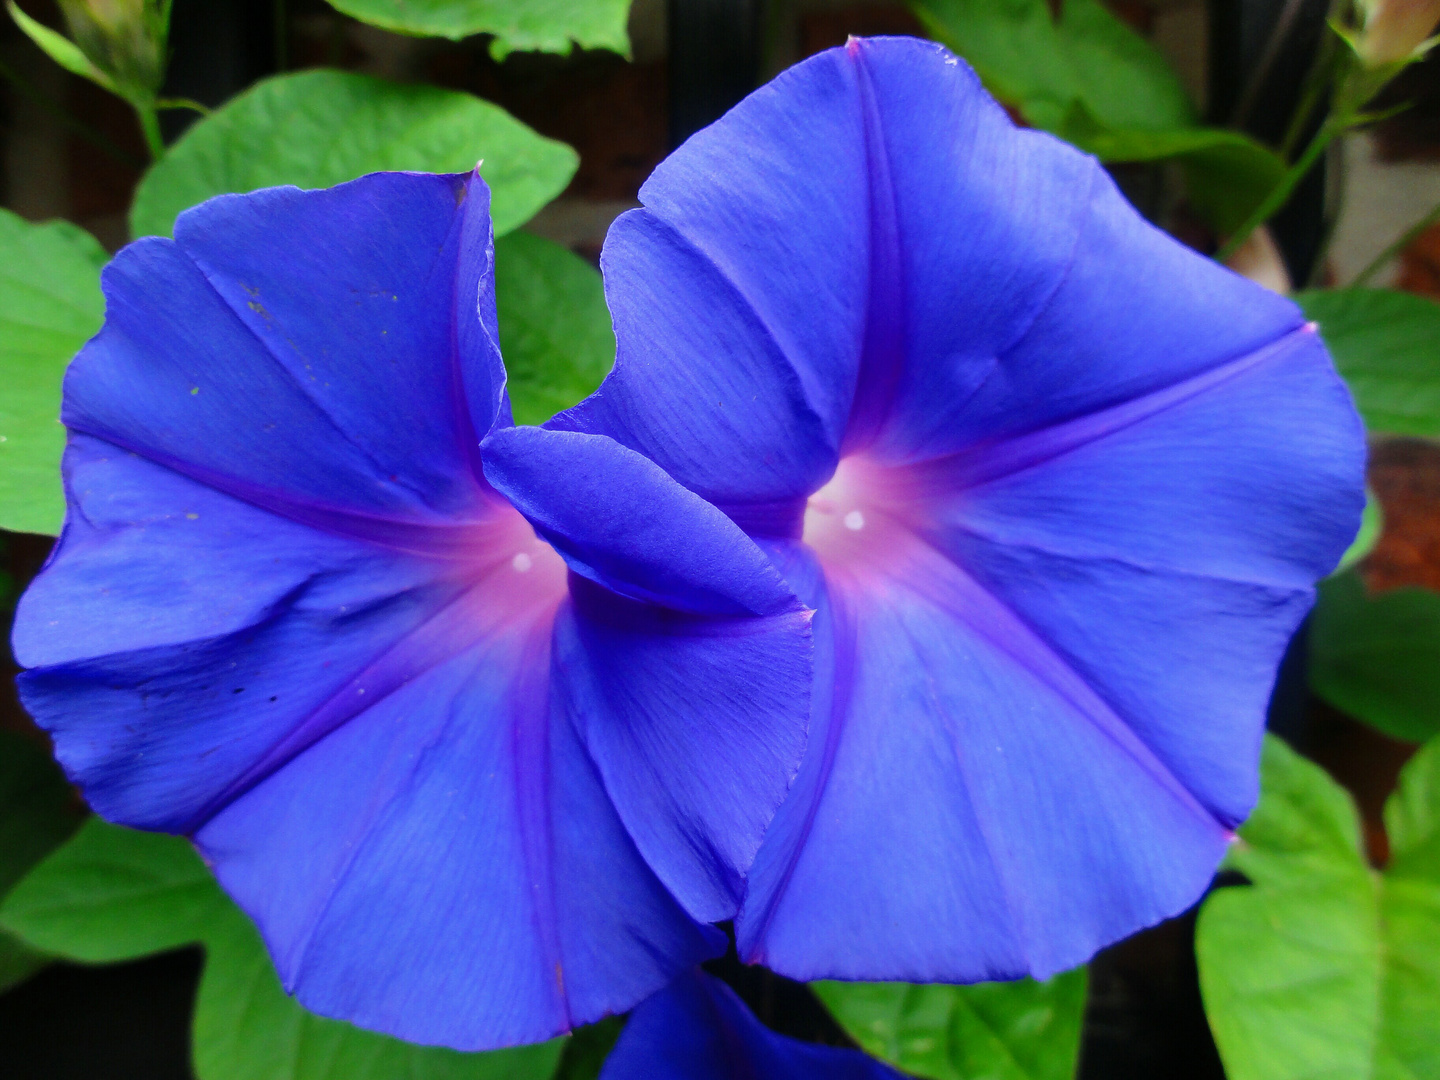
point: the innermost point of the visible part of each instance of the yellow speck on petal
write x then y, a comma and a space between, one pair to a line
192, 517
194, 390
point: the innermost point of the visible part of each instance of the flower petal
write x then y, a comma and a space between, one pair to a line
814, 278
697, 1029
221, 354
696, 725
618, 520
969, 809
693, 698
1111, 459
1178, 539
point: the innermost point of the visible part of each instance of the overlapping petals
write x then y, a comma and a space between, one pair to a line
475, 784
697, 1029
1058, 488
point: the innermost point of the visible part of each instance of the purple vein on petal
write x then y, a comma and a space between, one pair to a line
530, 698
451, 630
285, 370
983, 464
969, 528
451, 542
762, 327
995, 621
882, 352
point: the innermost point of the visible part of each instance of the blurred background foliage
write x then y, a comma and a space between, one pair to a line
1232, 124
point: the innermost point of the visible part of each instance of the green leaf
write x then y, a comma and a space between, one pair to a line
18, 961
1410, 910
1378, 657
1022, 1030
1014, 47
1044, 67
1387, 346
37, 813
50, 304
113, 894
588, 1048
1122, 79
59, 48
1412, 818
1322, 967
518, 25
314, 129
555, 329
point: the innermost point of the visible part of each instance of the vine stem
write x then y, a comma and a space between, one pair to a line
150, 125
1282, 191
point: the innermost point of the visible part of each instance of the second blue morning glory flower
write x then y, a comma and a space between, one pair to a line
1058, 488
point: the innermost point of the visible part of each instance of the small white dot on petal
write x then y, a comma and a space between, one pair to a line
522, 562
854, 521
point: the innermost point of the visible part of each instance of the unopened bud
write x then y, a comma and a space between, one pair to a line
125, 39
1394, 30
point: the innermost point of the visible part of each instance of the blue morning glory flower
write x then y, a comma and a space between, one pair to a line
1058, 488
457, 711
697, 1029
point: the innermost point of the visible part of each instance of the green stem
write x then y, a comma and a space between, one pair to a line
1280, 194
1334, 208
161, 104
150, 125
1316, 80
1399, 244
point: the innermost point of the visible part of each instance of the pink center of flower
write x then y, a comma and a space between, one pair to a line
520, 574
859, 519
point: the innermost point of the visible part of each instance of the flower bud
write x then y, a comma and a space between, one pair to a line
1394, 29
125, 39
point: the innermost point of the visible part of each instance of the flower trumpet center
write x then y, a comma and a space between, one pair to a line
859, 515
522, 575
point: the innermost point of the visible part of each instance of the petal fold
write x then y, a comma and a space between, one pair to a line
620, 521
697, 726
